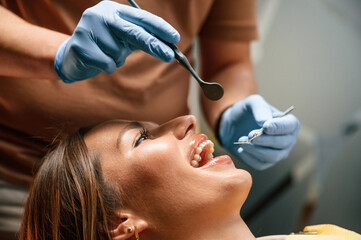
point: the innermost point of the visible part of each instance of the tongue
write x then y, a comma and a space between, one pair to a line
203, 158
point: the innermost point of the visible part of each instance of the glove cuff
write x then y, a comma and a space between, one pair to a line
58, 62
217, 126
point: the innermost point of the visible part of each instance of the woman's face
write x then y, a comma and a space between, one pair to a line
167, 171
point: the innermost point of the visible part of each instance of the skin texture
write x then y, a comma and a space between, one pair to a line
27, 50
228, 63
167, 198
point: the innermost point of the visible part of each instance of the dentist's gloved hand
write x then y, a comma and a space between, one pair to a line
242, 120
106, 34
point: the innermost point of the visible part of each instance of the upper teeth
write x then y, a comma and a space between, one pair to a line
208, 147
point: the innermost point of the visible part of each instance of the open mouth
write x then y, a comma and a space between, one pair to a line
202, 152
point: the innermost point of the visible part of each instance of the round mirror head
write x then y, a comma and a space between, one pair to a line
213, 91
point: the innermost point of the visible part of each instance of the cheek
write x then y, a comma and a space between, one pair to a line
155, 163
153, 176
159, 156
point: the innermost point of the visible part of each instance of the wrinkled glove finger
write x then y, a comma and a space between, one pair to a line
95, 58
276, 141
140, 39
255, 163
243, 139
120, 60
79, 57
283, 125
267, 154
150, 22
112, 46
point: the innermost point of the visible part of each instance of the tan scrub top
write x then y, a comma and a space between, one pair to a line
34, 111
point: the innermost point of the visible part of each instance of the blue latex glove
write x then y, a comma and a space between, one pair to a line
242, 120
106, 34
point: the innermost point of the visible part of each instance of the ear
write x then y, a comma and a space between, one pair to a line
125, 220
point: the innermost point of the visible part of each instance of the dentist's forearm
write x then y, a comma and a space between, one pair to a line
228, 63
238, 82
27, 50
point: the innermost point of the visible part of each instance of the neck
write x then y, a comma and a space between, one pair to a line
233, 228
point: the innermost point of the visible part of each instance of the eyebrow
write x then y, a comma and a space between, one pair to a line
132, 125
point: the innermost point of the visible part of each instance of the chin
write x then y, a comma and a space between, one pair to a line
233, 177
240, 179
237, 185
232, 191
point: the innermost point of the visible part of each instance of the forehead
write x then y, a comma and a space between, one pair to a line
107, 128
111, 130
103, 134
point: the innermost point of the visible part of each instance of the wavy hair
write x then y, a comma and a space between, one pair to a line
70, 198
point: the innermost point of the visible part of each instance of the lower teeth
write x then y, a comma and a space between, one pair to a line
194, 163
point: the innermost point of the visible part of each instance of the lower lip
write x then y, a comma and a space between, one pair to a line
218, 160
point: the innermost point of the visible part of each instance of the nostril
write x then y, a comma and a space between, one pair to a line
183, 126
190, 127
182, 131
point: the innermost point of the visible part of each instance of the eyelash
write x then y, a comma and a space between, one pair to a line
144, 135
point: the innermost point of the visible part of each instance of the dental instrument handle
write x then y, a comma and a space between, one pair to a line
261, 130
134, 4
288, 110
213, 91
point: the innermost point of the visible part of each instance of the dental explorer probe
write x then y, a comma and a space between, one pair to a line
213, 91
260, 131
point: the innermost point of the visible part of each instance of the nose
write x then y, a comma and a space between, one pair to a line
180, 126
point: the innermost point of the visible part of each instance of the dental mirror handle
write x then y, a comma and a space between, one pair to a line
213, 91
